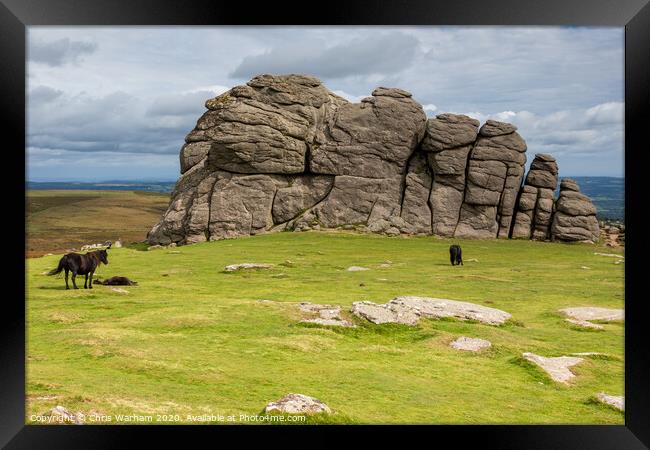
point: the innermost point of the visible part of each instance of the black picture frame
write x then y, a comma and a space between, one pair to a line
634, 15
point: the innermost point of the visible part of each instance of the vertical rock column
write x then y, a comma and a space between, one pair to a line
535, 209
447, 143
494, 173
575, 215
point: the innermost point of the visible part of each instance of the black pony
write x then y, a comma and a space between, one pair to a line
81, 265
456, 255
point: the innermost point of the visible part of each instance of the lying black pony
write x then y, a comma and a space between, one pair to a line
81, 265
117, 281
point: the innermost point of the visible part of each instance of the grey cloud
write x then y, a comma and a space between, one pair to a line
43, 94
59, 52
116, 122
381, 54
180, 104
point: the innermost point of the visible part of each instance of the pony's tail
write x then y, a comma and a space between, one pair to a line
58, 269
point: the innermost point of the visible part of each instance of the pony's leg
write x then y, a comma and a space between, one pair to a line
90, 285
66, 279
74, 276
86, 282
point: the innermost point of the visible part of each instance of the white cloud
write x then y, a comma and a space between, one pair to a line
574, 137
139, 91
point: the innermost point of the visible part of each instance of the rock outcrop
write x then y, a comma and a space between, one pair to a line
535, 209
575, 215
285, 153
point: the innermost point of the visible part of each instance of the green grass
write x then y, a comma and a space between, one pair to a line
191, 339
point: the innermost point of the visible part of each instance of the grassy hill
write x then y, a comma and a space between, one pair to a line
62, 219
192, 339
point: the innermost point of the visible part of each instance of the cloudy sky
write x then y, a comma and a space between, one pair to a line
115, 103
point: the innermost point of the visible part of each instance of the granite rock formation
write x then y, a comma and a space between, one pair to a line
535, 209
285, 153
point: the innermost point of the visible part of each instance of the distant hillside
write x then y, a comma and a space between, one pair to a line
149, 186
607, 193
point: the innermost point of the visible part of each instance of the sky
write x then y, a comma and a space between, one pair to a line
115, 103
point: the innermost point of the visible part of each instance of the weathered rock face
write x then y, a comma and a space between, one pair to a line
533, 219
448, 141
285, 153
496, 166
575, 215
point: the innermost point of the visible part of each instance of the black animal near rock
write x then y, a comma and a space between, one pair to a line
117, 281
456, 255
81, 265
285, 153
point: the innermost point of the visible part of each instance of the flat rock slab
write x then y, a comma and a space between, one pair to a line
356, 269
609, 254
617, 401
582, 316
329, 322
557, 368
441, 307
470, 344
386, 313
297, 404
243, 266
325, 311
408, 310
61, 415
585, 324
327, 315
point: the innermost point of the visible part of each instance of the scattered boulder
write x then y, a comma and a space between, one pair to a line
118, 243
246, 266
89, 247
61, 415
297, 404
356, 269
470, 344
408, 310
615, 401
557, 368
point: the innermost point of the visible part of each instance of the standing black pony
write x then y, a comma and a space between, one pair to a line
456, 255
81, 265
